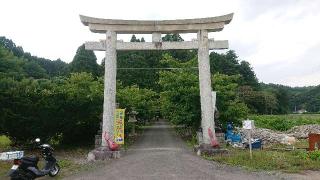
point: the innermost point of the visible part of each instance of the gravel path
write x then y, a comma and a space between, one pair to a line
160, 154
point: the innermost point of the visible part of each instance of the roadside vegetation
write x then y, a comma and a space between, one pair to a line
275, 158
284, 122
293, 161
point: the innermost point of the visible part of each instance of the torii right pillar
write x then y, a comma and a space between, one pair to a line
207, 113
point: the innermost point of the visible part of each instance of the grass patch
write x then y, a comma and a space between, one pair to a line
284, 122
4, 168
285, 161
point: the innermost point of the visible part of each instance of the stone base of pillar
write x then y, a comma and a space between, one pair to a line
207, 149
97, 141
102, 153
221, 138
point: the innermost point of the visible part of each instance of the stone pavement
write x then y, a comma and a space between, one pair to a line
160, 154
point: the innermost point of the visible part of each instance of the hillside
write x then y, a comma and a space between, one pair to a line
307, 98
49, 67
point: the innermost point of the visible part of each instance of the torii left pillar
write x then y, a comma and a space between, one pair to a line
110, 73
109, 100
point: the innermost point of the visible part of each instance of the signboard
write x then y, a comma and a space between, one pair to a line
5, 156
248, 124
119, 126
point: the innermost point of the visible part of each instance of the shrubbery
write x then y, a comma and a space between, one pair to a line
66, 110
4, 142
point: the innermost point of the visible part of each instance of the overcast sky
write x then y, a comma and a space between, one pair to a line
280, 38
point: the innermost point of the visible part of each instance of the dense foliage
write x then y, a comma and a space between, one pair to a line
180, 97
65, 109
85, 61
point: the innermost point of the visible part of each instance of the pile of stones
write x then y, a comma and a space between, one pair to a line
303, 131
268, 136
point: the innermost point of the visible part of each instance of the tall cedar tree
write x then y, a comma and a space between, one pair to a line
85, 61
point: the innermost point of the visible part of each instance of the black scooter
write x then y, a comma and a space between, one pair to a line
26, 168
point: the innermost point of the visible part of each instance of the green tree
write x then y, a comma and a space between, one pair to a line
10, 45
271, 102
180, 98
82, 101
10, 66
138, 68
261, 102
283, 101
34, 70
134, 39
85, 61
248, 76
144, 101
17, 67
172, 37
228, 64
229, 104
179, 55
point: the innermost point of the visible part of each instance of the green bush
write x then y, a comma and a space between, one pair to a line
64, 110
5, 142
314, 155
68, 108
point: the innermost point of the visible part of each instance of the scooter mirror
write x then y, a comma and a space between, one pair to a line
38, 140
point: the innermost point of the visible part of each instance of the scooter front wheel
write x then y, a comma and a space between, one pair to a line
55, 170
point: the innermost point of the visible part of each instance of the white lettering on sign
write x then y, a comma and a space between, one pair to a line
5, 156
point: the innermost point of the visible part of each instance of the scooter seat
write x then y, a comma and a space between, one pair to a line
30, 159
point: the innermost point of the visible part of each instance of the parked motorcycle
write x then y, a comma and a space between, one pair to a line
26, 168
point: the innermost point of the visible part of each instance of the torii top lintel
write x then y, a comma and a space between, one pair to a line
211, 24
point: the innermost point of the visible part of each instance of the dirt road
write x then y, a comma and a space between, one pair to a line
160, 154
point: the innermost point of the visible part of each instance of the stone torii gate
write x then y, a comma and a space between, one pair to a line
112, 27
